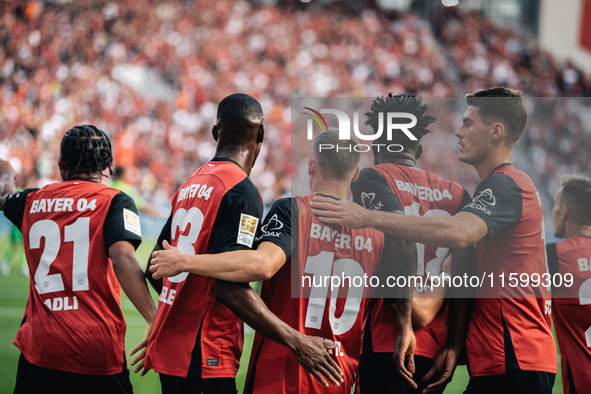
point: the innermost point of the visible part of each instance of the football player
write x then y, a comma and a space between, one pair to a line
509, 342
572, 304
80, 238
395, 184
297, 254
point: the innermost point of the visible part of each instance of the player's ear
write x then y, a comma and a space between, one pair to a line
261, 134
215, 132
498, 131
312, 164
564, 212
355, 174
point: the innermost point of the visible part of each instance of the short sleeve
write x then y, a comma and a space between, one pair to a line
498, 202
122, 222
237, 219
372, 191
14, 206
277, 226
466, 198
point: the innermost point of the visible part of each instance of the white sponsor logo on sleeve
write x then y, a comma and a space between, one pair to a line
247, 229
132, 222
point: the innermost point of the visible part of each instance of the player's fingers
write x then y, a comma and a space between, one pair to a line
335, 365
438, 385
335, 371
327, 374
429, 375
140, 357
319, 378
166, 245
138, 347
410, 361
328, 219
329, 345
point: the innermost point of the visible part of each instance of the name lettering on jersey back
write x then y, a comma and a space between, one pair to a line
47, 205
201, 191
61, 303
583, 264
341, 241
423, 192
167, 295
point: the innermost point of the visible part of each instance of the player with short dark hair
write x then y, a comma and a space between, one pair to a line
572, 304
80, 238
509, 341
197, 341
292, 244
389, 187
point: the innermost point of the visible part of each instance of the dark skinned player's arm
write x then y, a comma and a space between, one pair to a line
426, 305
445, 362
310, 352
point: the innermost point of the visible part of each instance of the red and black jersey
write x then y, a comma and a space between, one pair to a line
508, 320
572, 311
216, 210
72, 320
300, 294
393, 187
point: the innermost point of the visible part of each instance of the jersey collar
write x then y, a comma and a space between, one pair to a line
225, 159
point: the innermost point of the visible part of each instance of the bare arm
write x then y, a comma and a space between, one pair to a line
7, 176
130, 276
458, 231
445, 362
426, 305
236, 266
310, 352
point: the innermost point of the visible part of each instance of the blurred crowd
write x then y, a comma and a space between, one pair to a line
151, 73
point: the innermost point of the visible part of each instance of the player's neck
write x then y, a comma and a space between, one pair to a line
577, 230
96, 177
486, 168
403, 161
242, 156
329, 187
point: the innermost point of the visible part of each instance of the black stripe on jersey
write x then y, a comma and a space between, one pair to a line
194, 370
14, 207
372, 191
249, 386
552, 254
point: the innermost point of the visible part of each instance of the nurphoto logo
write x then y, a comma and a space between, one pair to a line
344, 126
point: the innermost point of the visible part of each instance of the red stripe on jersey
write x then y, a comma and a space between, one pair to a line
71, 325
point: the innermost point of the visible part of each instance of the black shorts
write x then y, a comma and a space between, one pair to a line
177, 385
512, 382
31, 379
377, 374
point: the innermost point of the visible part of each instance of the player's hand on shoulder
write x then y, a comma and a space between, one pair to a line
312, 354
165, 263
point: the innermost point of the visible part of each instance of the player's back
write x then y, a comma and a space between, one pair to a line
571, 310
300, 294
420, 193
72, 321
195, 334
